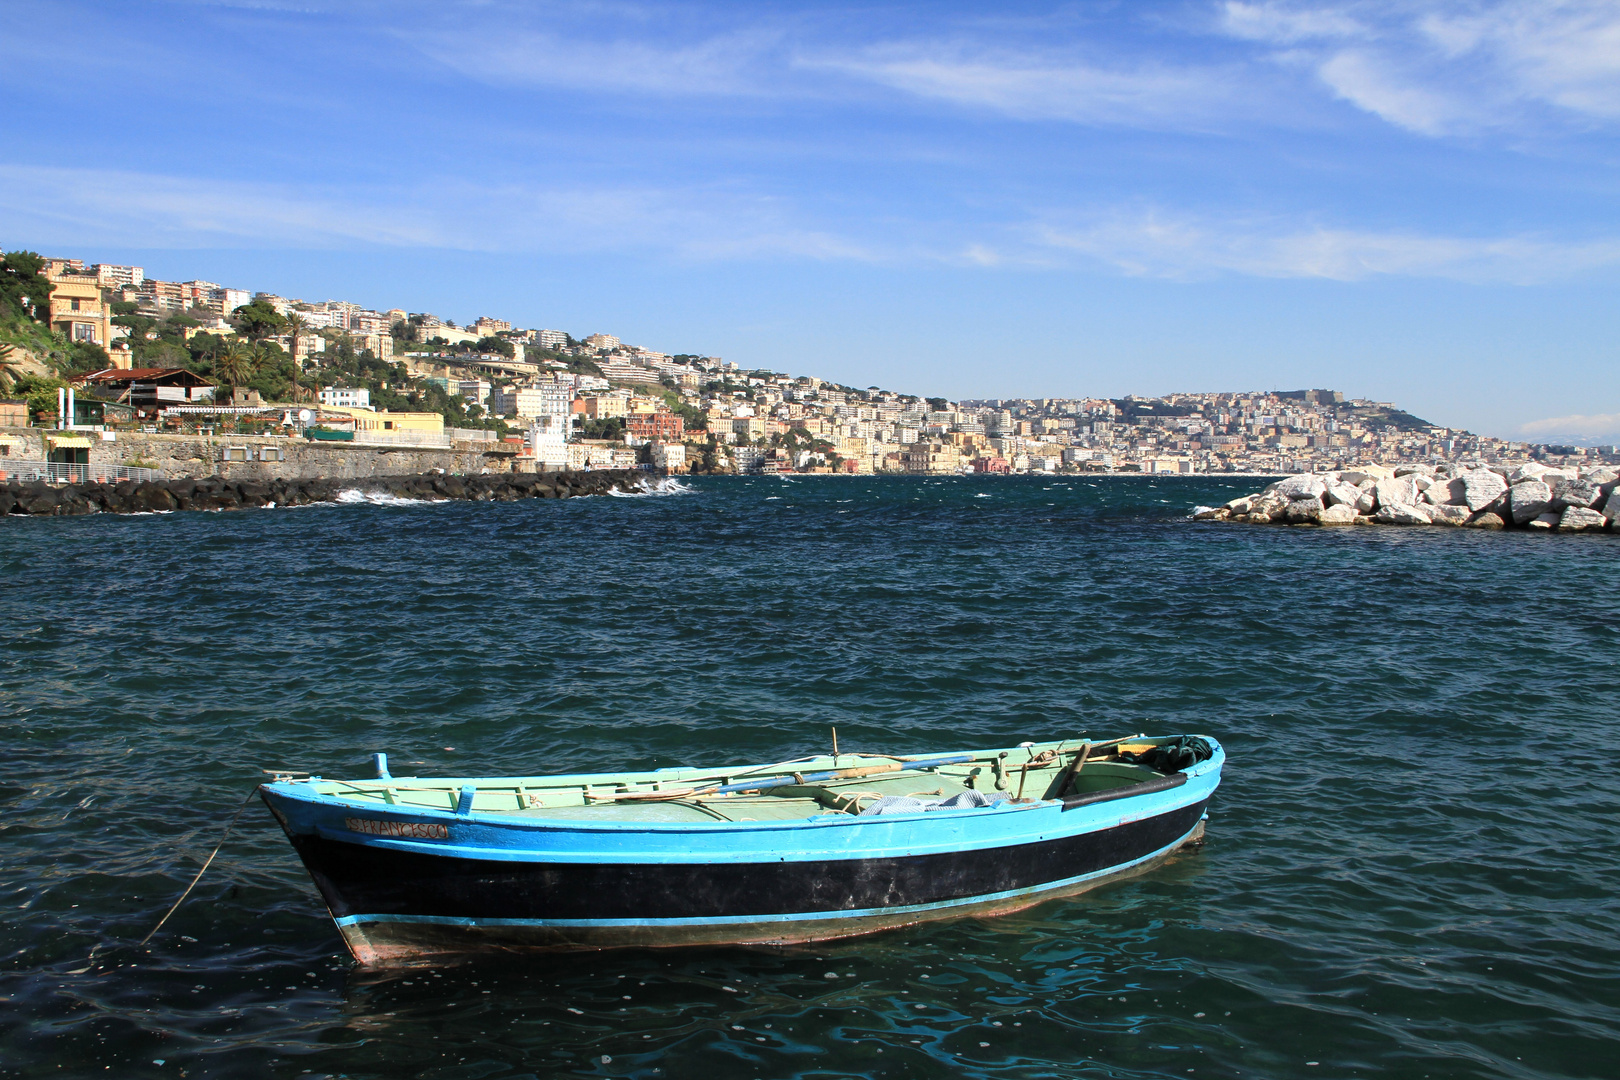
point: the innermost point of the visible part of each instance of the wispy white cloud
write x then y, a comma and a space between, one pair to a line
1042, 84
1159, 244
96, 208
1443, 67
730, 64
104, 207
1436, 67
1577, 426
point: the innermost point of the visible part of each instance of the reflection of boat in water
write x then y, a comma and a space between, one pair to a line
800, 851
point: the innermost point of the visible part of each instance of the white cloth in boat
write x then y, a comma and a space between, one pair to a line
907, 804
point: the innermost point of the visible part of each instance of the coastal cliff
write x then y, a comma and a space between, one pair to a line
1527, 496
218, 493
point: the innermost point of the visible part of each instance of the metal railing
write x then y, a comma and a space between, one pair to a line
55, 472
428, 440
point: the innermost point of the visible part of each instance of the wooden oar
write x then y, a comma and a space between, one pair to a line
784, 781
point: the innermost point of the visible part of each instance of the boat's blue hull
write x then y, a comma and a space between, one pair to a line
409, 885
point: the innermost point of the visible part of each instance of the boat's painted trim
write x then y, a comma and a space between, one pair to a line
796, 916
495, 837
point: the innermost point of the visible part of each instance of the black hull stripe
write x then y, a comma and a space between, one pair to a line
361, 880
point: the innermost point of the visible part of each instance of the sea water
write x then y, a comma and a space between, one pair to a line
1410, 869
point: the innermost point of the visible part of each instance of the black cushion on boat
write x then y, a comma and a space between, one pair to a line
1173, 756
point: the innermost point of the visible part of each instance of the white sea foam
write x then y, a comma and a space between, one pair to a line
667, 485
375, 498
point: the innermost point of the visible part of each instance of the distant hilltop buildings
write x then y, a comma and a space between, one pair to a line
597, 402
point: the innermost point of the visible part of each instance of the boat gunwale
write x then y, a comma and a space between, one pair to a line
301, 792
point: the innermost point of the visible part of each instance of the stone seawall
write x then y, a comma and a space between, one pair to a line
219, 493
1527, 496
199, 456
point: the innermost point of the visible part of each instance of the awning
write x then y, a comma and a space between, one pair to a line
70, 442
11, 440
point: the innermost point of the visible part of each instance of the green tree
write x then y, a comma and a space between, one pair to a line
39, 392
496, 345
258, 320
610, 427
25, 291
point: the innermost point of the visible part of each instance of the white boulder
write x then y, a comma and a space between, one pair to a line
1398, 514
1611, 509
1480, 488
1302, 511
1552, 477
1303, 486
1582, 493
1366, 472
1449, 515
1580, 519
1529, 499
1338, 514
1340, 493
1396, 492
1542, 521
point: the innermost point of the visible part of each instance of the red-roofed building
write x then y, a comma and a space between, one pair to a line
151, 388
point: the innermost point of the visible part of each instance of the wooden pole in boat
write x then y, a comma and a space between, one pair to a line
1074, 769
835, 746
1023, 774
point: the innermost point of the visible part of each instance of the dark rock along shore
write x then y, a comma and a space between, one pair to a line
129, 497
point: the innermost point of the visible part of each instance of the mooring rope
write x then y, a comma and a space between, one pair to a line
222, 836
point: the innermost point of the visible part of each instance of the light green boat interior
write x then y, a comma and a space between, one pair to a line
678, 796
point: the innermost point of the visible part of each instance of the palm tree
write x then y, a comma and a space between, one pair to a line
296, 325
9, 366
234, 365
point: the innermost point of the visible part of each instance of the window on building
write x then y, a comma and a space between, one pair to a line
84, 331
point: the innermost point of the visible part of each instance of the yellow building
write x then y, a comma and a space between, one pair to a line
374, 421
932, 459
605, 406
77, 309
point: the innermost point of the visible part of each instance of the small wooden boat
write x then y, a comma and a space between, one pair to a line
412, 868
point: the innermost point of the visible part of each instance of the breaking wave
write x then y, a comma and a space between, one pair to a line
377, 498
666, 485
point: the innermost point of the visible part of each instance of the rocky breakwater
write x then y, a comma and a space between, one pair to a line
217, 493
1526, 496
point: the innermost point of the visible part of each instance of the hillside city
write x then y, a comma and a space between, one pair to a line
198, 356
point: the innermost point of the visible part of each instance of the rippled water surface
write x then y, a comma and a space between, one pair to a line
1411, 868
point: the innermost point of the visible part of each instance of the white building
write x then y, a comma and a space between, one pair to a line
110, 276
669, 456
528, 402
550, 339
341, 397
549, 440
475, 391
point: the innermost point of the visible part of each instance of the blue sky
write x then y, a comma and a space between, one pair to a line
1408, 201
